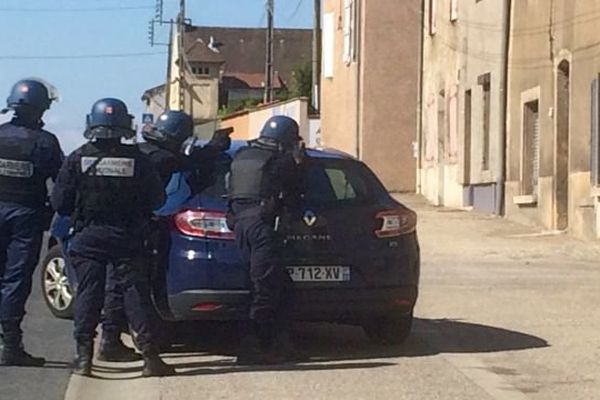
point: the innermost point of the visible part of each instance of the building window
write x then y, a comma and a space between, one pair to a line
328, 44
595, 133
453, 10
485, 82
432, 17
204, 71
349, 31
530, 163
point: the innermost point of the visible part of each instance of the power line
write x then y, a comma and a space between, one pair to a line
87, 9
296, 10
79, 57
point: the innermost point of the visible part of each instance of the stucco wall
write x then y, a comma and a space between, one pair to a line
369, 105
537, 48
248, 125
457, 55
339, 94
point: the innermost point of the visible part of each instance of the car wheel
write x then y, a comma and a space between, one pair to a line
57, 291
389, 330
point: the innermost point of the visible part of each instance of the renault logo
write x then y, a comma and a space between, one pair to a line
310, 218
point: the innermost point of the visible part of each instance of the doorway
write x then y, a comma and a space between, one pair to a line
561, 166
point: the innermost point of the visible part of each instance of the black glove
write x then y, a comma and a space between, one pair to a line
46, 216
221, 139
299, 153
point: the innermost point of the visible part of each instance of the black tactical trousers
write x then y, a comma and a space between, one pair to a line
20, 242
271, 286
126, 276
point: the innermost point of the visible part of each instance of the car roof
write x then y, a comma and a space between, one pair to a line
236, 145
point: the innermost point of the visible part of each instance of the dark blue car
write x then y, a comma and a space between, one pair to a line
352, 252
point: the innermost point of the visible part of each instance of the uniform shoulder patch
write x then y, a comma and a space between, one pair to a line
117, 167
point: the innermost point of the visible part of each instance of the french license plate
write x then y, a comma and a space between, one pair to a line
319, 274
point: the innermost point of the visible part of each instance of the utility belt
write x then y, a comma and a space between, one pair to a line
120, 221
29, 200
243, 208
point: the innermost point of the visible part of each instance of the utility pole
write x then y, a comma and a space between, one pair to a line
180, 45
316, 63
269, 75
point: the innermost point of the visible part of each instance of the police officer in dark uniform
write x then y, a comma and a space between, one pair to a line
264, 178
110, 189
163, 146
28, 157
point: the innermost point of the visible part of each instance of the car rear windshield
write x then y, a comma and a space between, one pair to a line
336, 182
326, 182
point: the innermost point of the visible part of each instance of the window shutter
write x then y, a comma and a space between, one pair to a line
536, 152
432, 17
328, 44
348, 31
453, 10
595, 133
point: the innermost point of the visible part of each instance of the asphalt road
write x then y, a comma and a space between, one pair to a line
44, 336
505, 313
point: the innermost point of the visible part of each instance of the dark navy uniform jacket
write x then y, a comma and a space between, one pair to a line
107, 233
200, 163
37, 147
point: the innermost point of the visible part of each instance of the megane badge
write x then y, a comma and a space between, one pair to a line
310, 218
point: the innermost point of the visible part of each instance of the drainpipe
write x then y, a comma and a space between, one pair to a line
359, 41
500, 197
420, 97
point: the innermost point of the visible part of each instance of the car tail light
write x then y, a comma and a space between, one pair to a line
401, 221
207, 307
203, 224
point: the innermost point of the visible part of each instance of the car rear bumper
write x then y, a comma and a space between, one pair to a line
335, 305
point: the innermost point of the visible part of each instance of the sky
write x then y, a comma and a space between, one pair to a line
66, 42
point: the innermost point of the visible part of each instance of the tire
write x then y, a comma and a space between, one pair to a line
56, 290
389, 330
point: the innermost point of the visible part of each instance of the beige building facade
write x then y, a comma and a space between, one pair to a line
369, 85
461, 135
553, 116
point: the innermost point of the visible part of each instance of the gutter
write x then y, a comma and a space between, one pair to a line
500, 197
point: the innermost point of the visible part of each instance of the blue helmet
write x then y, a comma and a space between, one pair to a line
282, 129
172, 128
109, 119
33, 93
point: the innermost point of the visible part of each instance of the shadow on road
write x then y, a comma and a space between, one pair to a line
339, 347
429, 337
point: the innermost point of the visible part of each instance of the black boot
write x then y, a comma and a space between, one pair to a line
114, 350
14, 355
155, 366
254, 352
284, 347
82, 365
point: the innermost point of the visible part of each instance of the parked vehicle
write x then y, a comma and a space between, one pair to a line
352, 252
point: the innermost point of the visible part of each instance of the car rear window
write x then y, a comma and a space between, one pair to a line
326, 182
333, 181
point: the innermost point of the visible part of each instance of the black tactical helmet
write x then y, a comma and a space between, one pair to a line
33, 93
173, 128
109, 119
282, 129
